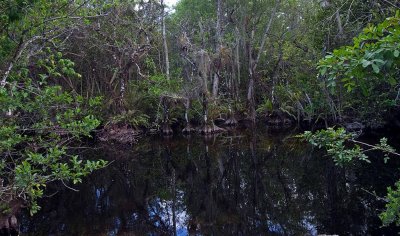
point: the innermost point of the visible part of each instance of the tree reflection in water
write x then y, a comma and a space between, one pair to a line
247, 184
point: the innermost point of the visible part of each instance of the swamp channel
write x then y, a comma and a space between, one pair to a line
263, 182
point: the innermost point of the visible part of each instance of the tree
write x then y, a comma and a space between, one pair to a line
40, 120
165, 44
369, 70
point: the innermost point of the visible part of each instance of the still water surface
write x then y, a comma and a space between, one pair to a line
260, 183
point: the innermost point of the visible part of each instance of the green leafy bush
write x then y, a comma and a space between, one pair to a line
38, 121
368, 70
334, 141
392, 212
343, 147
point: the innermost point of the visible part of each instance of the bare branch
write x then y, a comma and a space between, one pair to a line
264, 39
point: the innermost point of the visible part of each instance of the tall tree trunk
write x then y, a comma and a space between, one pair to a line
275, 73
250, 91
219, 28
264, 38
253, 63
237, 58
188, 128
164, 36
339, 22
122, 93
251, 99
215, 86
205, 109
218, 48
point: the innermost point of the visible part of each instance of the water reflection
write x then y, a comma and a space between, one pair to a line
233, 184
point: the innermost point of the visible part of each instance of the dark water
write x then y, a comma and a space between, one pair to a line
233, 184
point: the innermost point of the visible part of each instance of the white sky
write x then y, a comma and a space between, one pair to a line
171, 3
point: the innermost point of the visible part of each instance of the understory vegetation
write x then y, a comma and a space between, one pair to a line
71, 68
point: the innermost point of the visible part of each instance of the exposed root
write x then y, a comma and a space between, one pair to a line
354, 127
115, 133
188, 129
8, 219
166, 129
279, 121
231, 121
278, 118
210, 129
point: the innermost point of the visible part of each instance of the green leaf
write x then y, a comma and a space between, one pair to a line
366, 63
376, 69
392, 81
323, 70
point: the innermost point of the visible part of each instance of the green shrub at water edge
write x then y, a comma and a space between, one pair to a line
344, 149
38, 124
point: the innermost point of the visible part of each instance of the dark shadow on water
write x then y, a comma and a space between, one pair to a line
265, 183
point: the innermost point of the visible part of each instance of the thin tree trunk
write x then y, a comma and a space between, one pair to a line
205, 109
250, 91
17, 55
122, 92
215, 86
275, 76
218, 29
253, 63
218, 48
339, 22
164, 35
264, 39
237, 58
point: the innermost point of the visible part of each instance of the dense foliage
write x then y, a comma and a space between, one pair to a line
368, 70
68, 67
41, 121
39, 118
